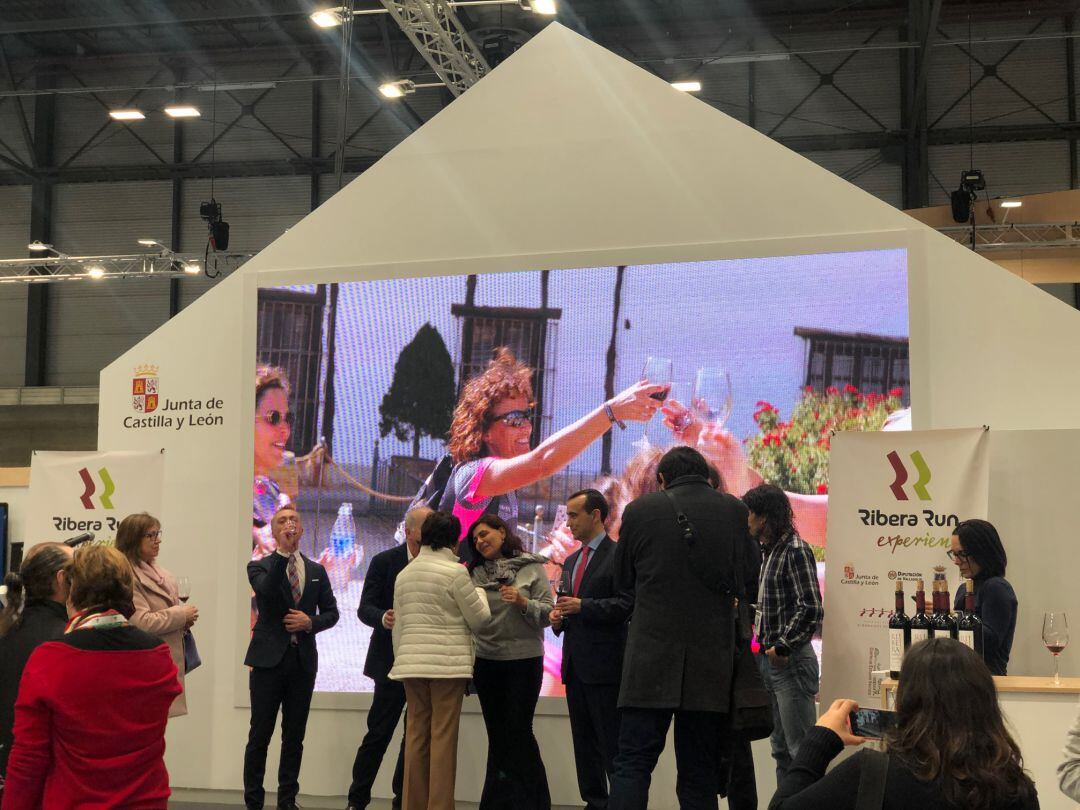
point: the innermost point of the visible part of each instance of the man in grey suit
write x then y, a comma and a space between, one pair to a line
676, 552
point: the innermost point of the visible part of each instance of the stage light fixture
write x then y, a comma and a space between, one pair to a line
192, 269
972, 182
1011, 203
687, 86
38, 246
546, 7
326, 17
397, 89
182, 111
95, 272
126, 115
218, 228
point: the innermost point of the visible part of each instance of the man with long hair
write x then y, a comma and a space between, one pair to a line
789, 612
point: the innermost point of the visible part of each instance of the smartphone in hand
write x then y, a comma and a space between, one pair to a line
872, 723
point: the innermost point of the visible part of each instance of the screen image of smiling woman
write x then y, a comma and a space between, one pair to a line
273, 429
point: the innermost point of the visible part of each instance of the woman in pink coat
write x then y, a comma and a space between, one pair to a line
157, 604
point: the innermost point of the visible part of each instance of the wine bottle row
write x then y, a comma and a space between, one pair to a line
964, 626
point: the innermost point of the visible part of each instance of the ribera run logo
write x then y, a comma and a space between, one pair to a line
109, 488
897, 486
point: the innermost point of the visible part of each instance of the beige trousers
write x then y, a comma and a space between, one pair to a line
431, 737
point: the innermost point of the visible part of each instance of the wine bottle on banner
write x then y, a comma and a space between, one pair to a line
969, 628
920, 622
899, 632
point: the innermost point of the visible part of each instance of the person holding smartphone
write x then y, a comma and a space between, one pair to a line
950, 747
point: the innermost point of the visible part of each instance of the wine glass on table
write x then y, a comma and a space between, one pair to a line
1055, 636
183, 588
712, 402
657, 371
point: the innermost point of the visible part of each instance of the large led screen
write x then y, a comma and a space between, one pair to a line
761, 361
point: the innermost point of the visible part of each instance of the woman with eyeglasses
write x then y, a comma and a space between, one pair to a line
155, 596
978, 552
491, 438
273, 428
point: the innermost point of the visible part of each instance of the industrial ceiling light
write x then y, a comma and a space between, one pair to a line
126, 115
95, 272
397, 89
739, 58
327, 17
151, 243
182, 111
38, 246
1011, 203
687, 86
546, 7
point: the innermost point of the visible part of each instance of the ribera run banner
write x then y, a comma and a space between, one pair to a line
76, 492
894, 500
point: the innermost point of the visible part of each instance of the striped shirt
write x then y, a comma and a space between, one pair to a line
789, 599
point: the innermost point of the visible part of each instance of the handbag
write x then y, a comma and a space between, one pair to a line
751, 704
191, 653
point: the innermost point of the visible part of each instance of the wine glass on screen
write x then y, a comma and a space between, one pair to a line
712, 400
657, 371
183, 588
1055, 636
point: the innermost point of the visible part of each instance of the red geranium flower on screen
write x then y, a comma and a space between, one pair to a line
896, 392
822, 489
831, 391
850, 389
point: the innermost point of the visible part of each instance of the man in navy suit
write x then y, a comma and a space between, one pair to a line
591, 615
295, 601
377, 611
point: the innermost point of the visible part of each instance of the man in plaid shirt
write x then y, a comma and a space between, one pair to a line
788, 612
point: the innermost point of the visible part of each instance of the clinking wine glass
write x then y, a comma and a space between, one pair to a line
1055, 635
183, 588
712, 402
657, 371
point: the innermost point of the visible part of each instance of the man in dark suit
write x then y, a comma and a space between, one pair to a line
295, 601
592, 616
676, 551
377, 611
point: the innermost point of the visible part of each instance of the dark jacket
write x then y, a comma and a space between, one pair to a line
377, 598
269, 638
679, 653
806, 786
996, 605
593, 640
42, 621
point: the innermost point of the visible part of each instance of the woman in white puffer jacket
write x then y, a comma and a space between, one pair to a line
436, 611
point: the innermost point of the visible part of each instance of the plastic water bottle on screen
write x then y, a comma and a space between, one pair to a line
342, 555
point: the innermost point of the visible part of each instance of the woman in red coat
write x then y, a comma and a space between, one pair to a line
92, 707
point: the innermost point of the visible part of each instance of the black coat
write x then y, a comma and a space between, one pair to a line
679, 653
593, 640
41, 621
377, 598
269, 638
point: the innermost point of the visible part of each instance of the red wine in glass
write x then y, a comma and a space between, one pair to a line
1055, 636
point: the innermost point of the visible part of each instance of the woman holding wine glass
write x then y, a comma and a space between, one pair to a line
491, 438
978, 552
156, 594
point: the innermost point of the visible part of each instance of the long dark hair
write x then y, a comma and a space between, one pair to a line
949, 728
771, 502
981, 540
511, 546
33, 582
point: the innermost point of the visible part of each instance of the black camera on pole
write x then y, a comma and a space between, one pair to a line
219, 228
971, 182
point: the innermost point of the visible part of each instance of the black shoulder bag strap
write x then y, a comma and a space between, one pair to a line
875, 767
700, 565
